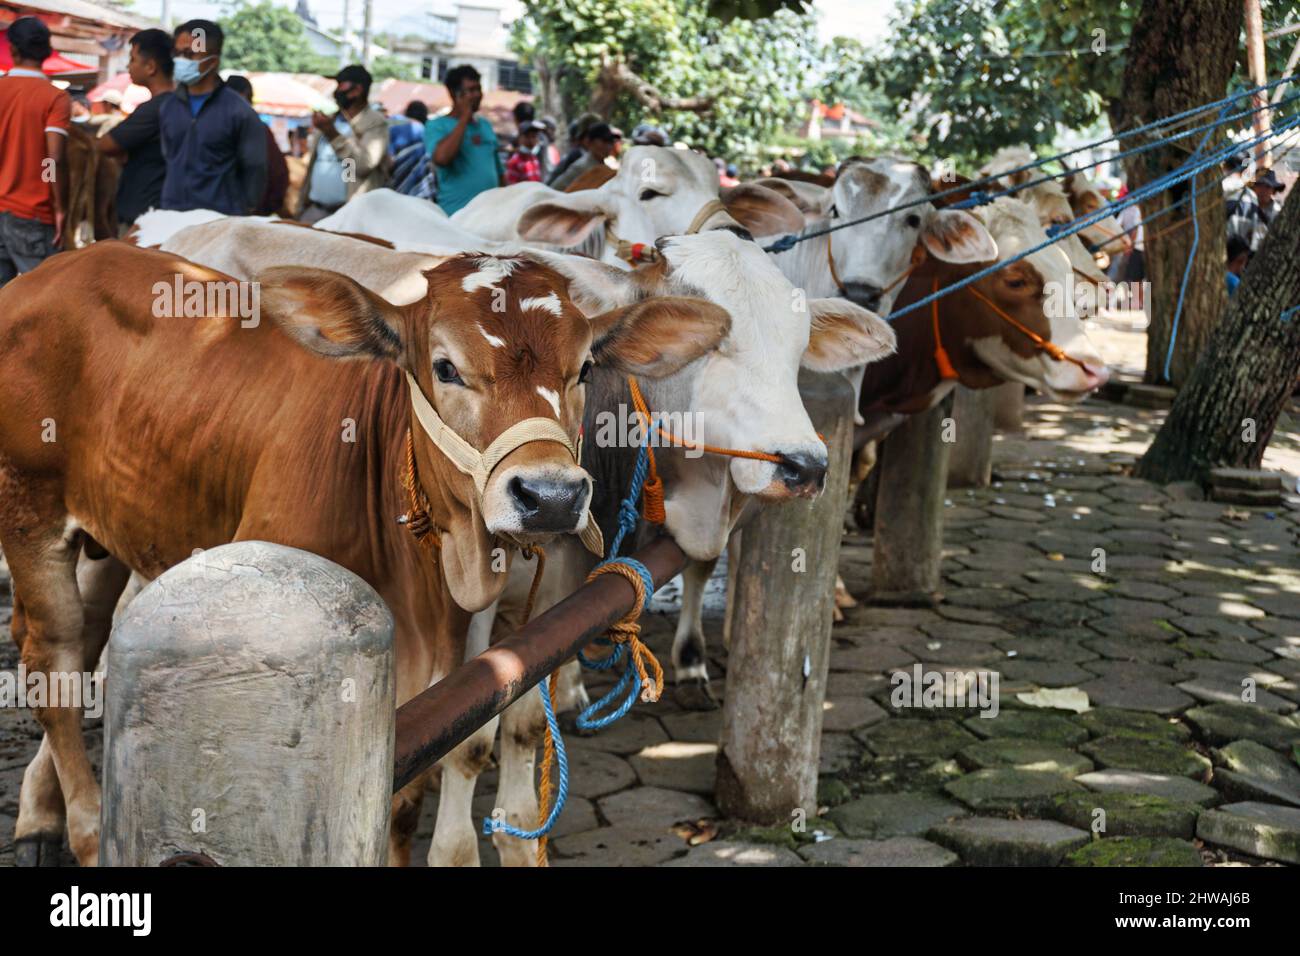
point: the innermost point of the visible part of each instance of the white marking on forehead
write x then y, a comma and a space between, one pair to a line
551, 397
490, 272
493, 340
550, 302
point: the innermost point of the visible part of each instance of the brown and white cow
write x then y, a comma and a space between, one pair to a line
176, 433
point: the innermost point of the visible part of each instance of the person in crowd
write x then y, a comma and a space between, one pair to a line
577, 145
550, 152
524, 114
463, 144
34, 120
647, 134
107, 113
1238, 259
350, 149
525, 163
277, 170
726, 175
1251, 211
136, 141
213, 143
409, 129
601, 142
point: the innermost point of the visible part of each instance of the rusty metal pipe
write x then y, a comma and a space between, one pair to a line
430, 724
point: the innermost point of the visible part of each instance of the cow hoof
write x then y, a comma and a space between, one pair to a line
40, 849
695, 694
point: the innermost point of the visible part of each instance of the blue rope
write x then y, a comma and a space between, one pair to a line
1158, 185
790, 240
491, 825
1287, 313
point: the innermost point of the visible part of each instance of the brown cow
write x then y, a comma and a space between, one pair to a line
137, 437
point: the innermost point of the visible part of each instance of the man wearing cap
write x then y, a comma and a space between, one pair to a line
601, 142
34, 121
135, 141
349, 153
463, 144
212, 140
525, 163
1250, 213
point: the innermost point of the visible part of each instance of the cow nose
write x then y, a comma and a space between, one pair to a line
546, 504
860, 293
800, 471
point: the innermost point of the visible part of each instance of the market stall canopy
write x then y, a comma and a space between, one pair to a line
55, 65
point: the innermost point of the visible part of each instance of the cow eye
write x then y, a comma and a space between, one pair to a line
648, 194
1015, 283
913, 221
585, 373
447, 373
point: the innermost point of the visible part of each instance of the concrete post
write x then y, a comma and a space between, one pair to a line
970, 462
909, 509
250, 715
1009, 407
780, 635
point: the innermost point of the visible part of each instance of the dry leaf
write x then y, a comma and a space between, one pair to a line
1064, 698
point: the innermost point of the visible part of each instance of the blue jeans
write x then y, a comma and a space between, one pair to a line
24, 244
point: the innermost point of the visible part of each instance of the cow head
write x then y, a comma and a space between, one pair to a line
743, 394
1085, 199
658, 192
497, 341
869, 257
1036, 293
1050, 202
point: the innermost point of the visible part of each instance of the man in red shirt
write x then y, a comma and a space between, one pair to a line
34, 121
525, 164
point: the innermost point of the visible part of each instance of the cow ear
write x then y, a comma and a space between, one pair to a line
593, 286
564, 220
658, 336
953, 235
844, 335
331, 313
763, 211
782, 186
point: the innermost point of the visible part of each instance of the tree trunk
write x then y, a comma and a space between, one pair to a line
1225, 414
1181, 55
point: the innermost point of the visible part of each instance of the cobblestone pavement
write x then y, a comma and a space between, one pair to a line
1195, 599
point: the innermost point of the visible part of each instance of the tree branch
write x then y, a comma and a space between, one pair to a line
616, 77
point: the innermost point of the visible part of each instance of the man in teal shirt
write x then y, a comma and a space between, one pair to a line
462, 144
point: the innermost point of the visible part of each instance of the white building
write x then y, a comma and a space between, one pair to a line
451, 34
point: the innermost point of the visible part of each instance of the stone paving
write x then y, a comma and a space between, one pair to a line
1197, 602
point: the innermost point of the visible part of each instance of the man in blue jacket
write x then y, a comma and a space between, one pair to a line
213, 142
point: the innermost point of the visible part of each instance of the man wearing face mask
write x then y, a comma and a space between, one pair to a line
349, 152
212, 140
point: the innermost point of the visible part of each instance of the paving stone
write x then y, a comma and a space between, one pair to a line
1224, 723
1205, 606
989, 841
1044, 673
839, 751
1168, 786
625, 736
896, 851
973, 615
1136, 694
1024, 754
1220, 690
1136, 851
1055, 613
725, 853
1154, 756
677, 766
1279, 627
1250, 771
1215, 627
1263, 675
972, 653
1151, 629
1127, 607
1227, 649
1280, 604
850, 713
1261, 829
944, 630
1109, 721
911, 737
853, 684
1008, 788
1143, 590
1142, 651
618, 846
895, 774
1285, 647
654, 806
1127, 814
594, 773
694, 726
1052, 728
983, 598
872, 657
1133, 670
882, 815
1052, 649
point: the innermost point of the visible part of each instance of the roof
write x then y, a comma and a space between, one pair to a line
82, 9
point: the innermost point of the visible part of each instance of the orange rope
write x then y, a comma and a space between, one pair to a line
639, 402
1044, 345
652, 490
628, 631
946, 370
417, 519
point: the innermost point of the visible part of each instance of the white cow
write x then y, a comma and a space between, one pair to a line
410, 224
744, 394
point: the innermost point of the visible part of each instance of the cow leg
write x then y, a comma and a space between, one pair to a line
690, 666
44, 570
38, 835
455, 839
570, 691
523, 725
405, 818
